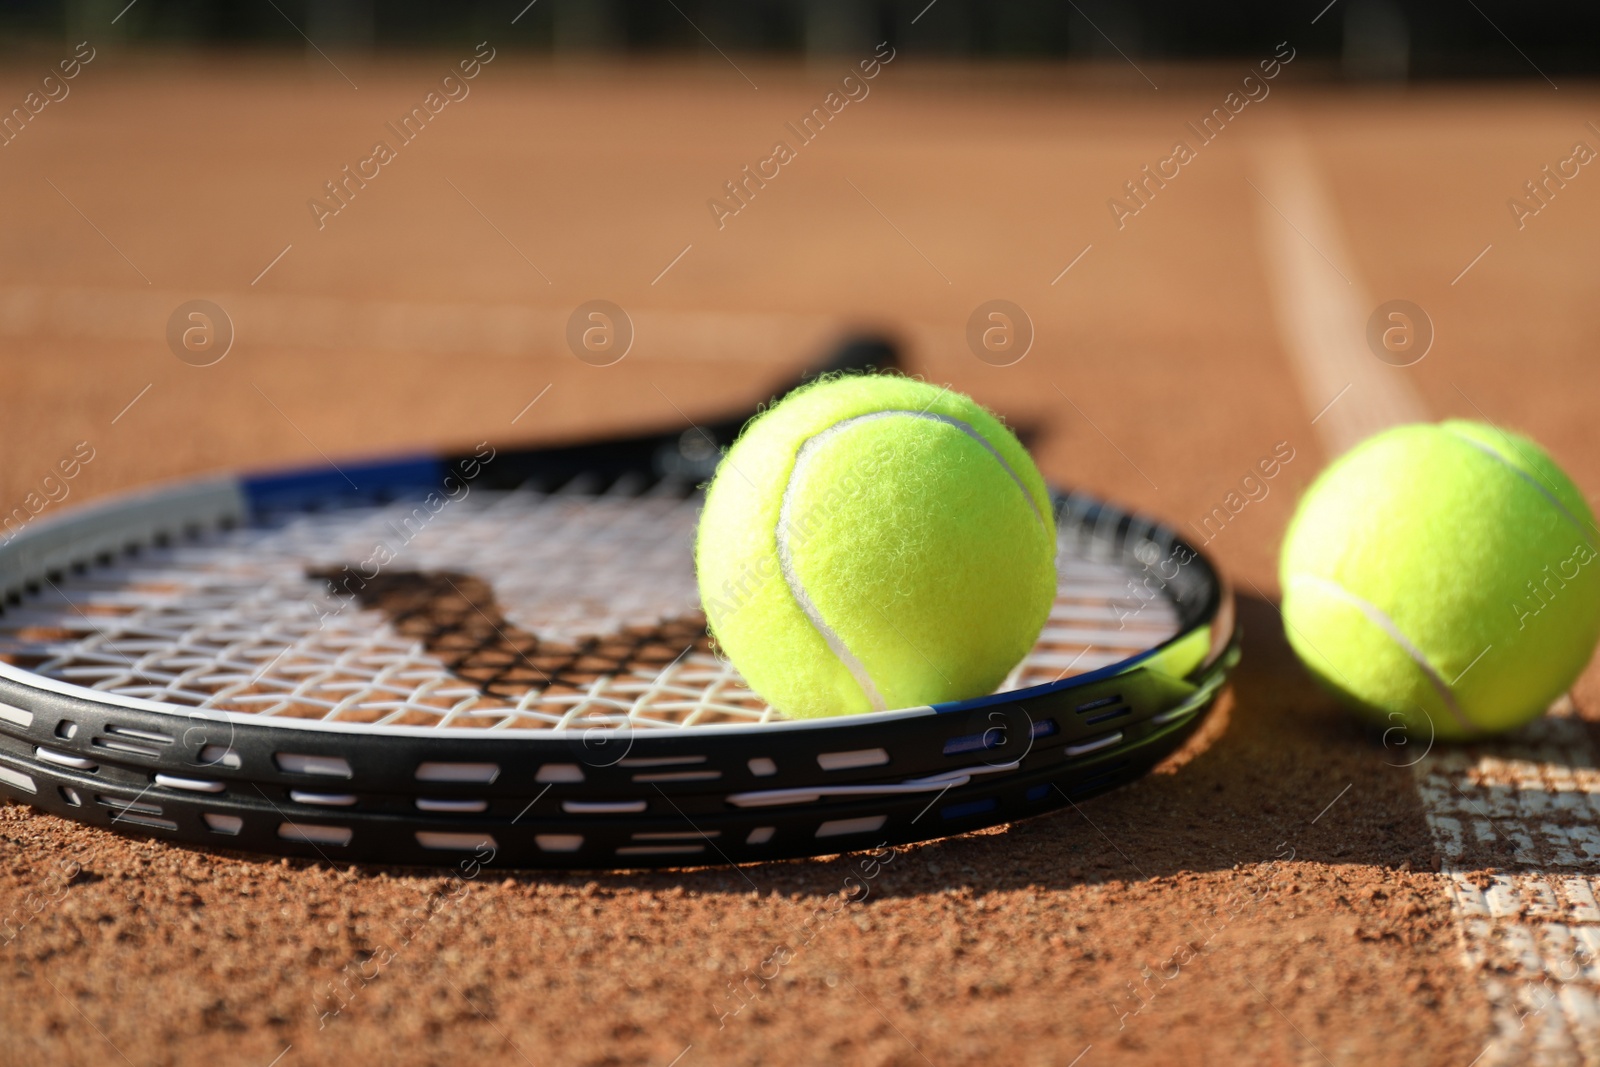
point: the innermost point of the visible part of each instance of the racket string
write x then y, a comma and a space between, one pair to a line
504, 610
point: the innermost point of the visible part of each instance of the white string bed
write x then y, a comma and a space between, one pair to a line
234, 621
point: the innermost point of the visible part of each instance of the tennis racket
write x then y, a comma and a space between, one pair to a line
406, 660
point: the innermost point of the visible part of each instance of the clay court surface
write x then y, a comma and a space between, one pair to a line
1287, 890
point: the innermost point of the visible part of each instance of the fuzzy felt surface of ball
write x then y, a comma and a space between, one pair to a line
874, 542
1442, 580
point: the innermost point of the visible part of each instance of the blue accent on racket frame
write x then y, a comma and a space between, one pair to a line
308, 489
971, 807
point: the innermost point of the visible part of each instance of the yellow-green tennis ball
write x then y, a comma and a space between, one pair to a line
875, 542
1443, 579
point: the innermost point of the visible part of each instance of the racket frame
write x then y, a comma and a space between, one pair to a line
234, 747
886, 777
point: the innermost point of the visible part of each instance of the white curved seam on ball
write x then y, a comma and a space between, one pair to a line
1531, 480
1381, 619
835, 643
971, 431
949, 420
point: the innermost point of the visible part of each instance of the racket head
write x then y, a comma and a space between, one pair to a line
219, 653
192, 649
617, 796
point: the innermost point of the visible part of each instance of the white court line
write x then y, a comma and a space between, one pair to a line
1322, 309
1531, 932
1531, 937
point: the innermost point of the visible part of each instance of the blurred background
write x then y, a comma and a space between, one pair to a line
1194, 221
1357, 39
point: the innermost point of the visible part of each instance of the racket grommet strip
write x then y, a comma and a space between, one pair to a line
192, 785
64, 759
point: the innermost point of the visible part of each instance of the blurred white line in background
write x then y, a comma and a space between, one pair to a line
1320, 304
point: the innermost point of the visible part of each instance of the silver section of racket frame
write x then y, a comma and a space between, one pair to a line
40, 550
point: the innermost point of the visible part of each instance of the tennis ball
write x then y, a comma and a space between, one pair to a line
1443, 579
875, 542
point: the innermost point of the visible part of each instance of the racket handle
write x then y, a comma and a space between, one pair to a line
687, 456
858, 352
